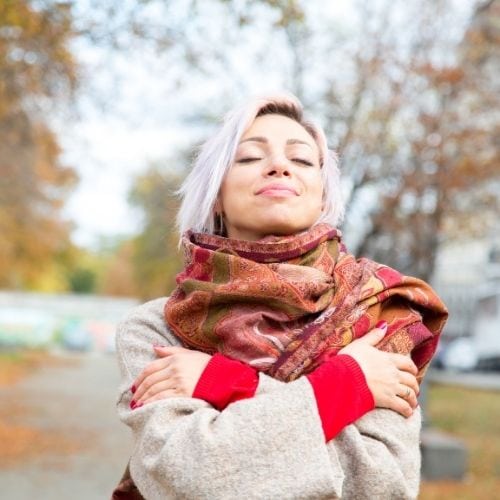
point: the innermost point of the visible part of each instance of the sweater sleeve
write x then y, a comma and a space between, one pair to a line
225, 380
268, 446
340, 389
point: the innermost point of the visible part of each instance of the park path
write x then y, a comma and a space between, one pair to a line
73, 399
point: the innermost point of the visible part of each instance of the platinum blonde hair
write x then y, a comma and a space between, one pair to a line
201, 187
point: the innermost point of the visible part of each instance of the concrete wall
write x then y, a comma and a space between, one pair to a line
72, 321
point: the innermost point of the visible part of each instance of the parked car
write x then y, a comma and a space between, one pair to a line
460, 355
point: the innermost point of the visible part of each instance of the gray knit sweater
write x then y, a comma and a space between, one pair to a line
269, 447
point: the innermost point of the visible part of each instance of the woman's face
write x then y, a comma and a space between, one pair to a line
275, 184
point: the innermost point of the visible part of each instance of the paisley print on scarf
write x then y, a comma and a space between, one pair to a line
286, 304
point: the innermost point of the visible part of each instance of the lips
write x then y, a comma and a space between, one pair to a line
278, 189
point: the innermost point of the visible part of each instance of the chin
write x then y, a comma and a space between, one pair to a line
280, 228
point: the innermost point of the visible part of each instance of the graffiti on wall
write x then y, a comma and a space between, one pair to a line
78, 323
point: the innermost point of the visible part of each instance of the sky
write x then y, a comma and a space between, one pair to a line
130, 112
129, 116
109, 147
107, 153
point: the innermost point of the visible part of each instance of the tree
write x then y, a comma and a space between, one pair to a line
155, 256
391, 93
119, 279
37, 71
82, 280
450, 182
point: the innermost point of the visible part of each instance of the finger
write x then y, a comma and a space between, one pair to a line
410, 381
150, 381
404, 363
156, 388
412, 400
170, 393
154, 366
373, 337
408, 395
167, 350
400, 406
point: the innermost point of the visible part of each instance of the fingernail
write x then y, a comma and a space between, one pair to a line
382, 325
133, 389
138, 405
133, 404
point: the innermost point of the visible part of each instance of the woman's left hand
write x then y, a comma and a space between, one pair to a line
174, 374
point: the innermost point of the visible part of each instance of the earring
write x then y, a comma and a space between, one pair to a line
219, 223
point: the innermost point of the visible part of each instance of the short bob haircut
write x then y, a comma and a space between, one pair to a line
201, 187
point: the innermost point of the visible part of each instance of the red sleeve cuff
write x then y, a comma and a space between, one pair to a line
342, 394
225, 380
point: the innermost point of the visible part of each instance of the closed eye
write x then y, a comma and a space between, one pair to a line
304, 162
248, 160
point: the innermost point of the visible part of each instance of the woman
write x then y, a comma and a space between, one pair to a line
259, 376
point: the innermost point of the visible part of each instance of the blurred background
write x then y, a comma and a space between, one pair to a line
102, 106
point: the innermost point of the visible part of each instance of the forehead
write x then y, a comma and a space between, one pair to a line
278, 128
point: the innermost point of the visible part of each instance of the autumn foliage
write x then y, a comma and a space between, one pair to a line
37, 71
447, 185
410, 111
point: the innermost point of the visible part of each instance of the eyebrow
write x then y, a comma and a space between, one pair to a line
265, 141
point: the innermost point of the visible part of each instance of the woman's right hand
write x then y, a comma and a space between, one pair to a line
390, 376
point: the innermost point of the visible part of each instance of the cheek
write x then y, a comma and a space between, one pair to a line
232, 192
315, 188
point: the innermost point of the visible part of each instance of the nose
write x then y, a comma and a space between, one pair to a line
277, 167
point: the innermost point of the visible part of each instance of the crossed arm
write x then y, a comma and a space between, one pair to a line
271, 445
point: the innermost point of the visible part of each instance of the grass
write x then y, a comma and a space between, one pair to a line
473, 416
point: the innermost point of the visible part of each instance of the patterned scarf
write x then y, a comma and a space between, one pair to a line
286, 304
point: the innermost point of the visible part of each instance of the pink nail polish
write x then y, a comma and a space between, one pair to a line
382, 325
138, 405
133, 389
133, 404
